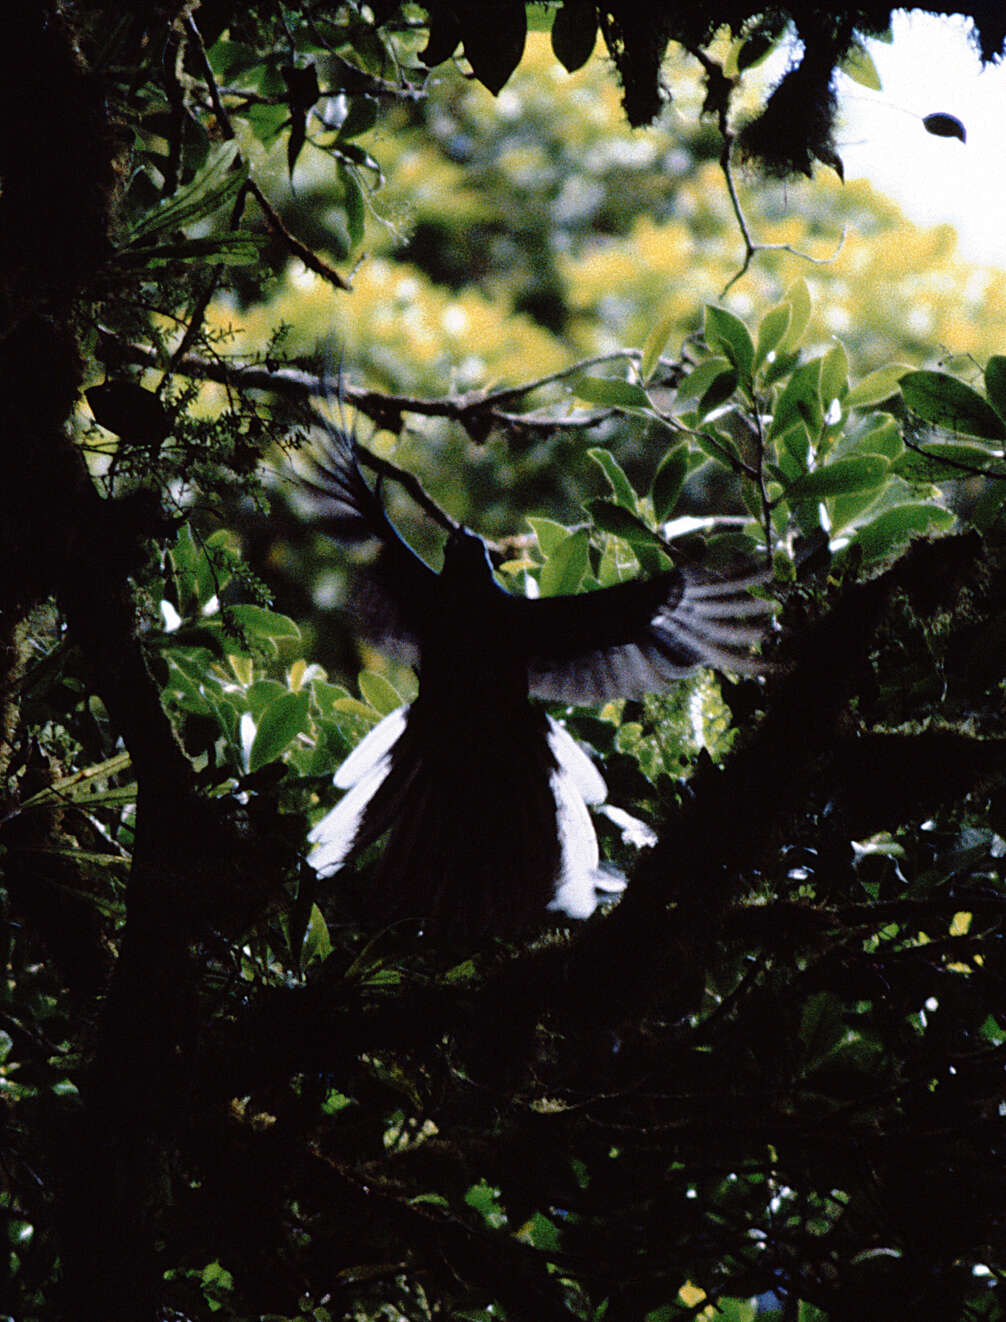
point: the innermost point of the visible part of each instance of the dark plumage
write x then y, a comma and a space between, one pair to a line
480, 794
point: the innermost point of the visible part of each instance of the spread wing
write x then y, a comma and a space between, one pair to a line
639, 637
392, 596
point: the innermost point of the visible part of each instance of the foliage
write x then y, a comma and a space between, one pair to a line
769, 1081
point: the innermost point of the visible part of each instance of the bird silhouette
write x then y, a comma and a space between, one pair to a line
481, 796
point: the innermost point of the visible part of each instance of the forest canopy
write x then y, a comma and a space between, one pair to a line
585, 278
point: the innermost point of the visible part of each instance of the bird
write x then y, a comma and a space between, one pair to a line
479, 795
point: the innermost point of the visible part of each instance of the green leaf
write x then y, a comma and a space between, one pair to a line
882, 437
798, 298
821, 1026
382, 695
260, 694
718, 445
698, 381
987, 508
946, 402
621, 487
668, 481
484, 1198
838, 479
611, 392
285, 718
260, 623
800, 400
352, 719
216, 183
834, 375
771, 331
317, 944
655, 342
549, 533
237, 248
353, 203
574, 34
618, 563
565, 568
859, 66
718, 393
944, 461
877, 386
727, 334
361, 118
267, 122
890, 530
326, 695
793, 451
620, 522
995, 383
645, 543
541, 1233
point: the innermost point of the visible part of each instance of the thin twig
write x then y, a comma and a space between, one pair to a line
300, 250
715, 78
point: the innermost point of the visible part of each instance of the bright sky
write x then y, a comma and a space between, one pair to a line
932, 67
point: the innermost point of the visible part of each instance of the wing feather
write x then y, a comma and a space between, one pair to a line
640, 637
392, 596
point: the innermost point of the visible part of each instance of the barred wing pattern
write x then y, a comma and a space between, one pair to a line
640, 637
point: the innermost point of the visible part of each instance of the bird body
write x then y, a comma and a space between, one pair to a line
480, 796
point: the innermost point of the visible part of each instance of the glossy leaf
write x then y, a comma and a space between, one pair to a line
549, 533
800, 400
877, 386
354, 205
317, 944
668, 482
382, 695
883, 437
565, 568
726, 334
947, 402
621, 487
611, 392
617, 520
655, 342
995, 383
720, 390
285, 718
838, 479
698, 381
260, 623
890, 530
772, 330
943, 461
